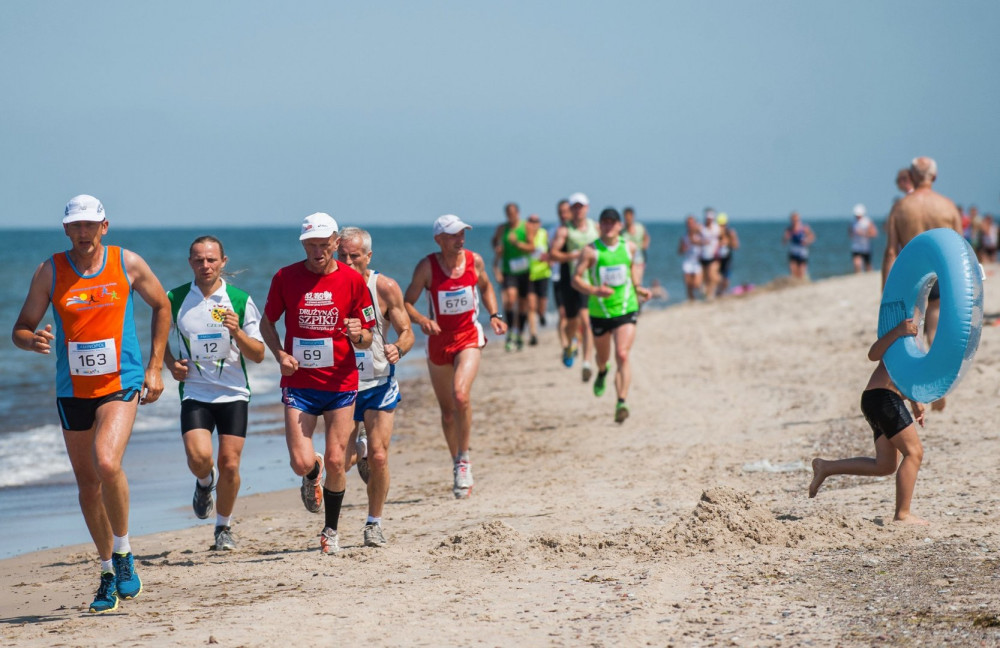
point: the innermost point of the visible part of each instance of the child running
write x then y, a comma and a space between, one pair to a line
895, 432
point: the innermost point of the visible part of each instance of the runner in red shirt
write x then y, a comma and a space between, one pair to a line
327, 308
455, 279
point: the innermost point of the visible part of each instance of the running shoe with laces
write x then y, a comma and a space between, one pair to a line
126, 579
621, 412
533, 340
374, 536
329, 543
361, 450
463, 480
519, 342
509, 344
587, 372
312, 489
567, 358
224, 540
203, 501
600, 383
106, 599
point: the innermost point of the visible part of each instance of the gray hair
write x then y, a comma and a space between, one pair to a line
923, 169
358, 233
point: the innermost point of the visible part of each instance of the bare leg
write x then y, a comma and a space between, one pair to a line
113, 429
379, 426
230, 453
442, 379
586, 335
930, 330
299, 428
339, 425
532, 314
908, 443
602, 348
624, 336
80, 448
884, 463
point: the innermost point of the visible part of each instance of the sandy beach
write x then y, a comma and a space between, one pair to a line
689, 525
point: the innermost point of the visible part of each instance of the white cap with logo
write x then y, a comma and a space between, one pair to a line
449, 224
318, 225
859, 210
83, 208
579, 199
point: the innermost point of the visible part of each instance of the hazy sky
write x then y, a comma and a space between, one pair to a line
187, 113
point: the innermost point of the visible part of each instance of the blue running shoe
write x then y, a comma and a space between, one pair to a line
107, 595
567, 357
126, 579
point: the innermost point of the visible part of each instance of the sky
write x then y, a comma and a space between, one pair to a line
259, 113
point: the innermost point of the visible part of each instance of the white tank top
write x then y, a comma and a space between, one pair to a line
373, 367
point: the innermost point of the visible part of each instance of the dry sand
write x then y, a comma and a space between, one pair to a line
689, 525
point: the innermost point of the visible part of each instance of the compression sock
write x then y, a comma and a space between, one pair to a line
508, 315
121, 545
314, 473
521, 319
541, 319
332, 503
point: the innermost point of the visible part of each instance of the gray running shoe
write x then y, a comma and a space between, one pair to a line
203, 501
312, 489
463, 480
587, 372
329, 543
224, 540
374, 536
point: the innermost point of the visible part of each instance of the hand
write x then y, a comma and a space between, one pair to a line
498, 325
353, 329
907, 328
152, 387
287, 364
392, 353
430, 327
231, 322
179, 370
644, 294
40, 341
498, 274
604, 291
918, 412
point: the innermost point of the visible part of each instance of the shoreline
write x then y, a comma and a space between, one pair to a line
667, 529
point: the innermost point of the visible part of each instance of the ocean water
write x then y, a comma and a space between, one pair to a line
38, 504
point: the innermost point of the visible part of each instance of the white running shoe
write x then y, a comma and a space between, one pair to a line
463, 480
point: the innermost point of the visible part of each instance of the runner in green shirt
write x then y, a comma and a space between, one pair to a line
605, 273
511, 267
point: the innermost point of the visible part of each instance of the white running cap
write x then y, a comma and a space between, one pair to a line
83, 208
318, 225
578, 199
859, 210
449, 224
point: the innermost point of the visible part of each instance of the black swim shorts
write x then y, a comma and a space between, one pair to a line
229, 418
885, 412
79, 414
602, 326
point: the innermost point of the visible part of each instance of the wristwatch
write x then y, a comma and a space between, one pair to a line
497, 316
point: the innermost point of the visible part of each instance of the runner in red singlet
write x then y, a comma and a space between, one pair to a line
455, 280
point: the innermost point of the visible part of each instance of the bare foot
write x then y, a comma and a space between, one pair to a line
911, 519
937, 405
818, 477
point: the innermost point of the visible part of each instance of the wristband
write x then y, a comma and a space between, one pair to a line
496, 316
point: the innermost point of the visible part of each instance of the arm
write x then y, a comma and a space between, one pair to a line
395, 311
251, 348
734, 239
36, 303
891, 244
644, 294
524, 246
497, 243
177, 368
580, 282
286, 363
487, 295
905, 328
421, 280
810, 236
645, 239
557, 242
148, 286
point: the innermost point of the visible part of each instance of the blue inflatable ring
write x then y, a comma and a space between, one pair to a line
926, 376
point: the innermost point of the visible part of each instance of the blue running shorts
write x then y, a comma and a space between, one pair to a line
382, 397
316, 401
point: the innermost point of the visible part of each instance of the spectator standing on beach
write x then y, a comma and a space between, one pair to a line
710, 254
895, 433
636, 232
576, 235
689, 247
539, 274
921, 210
217, 327
729, 242
862, 231
989, 236
606, 274
798, 237
511, 266
903, 182
378, 390
100, 379
327, 314
455, 280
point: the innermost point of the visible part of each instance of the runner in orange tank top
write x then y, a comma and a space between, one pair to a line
455, 279
100, 377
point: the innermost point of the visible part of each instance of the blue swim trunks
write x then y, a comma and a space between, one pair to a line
316, 401
383, 397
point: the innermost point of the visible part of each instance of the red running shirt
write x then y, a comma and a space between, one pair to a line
454, 301
314, 307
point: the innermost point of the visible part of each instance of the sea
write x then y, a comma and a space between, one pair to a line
38, 498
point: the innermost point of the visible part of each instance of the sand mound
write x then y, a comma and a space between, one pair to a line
494, 540
726, 517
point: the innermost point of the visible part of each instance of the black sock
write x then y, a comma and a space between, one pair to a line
508, 315
521, 319
314, 473
621, 400
541, 319
331, 504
